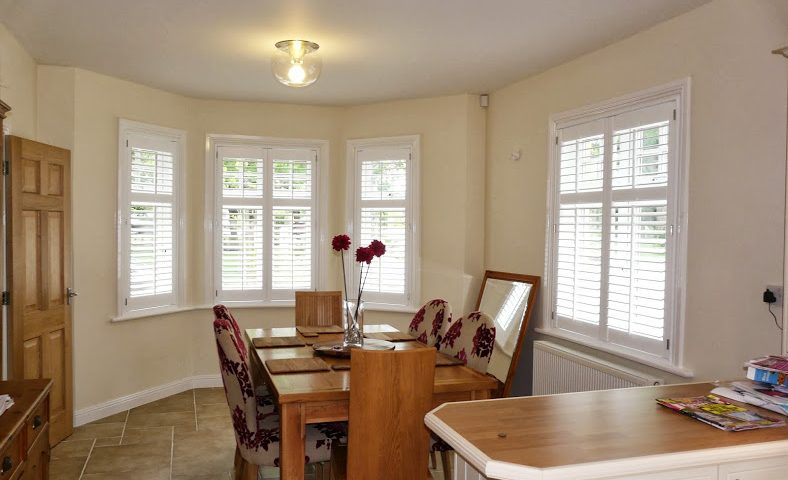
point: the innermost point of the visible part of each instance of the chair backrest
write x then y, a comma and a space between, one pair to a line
390, 395
318, 308
428, 323
238, 385
471, 339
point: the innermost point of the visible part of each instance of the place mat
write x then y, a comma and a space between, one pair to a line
277, 342
341, 366
313, 330
391, 336
443, 360
296, 365
336, 349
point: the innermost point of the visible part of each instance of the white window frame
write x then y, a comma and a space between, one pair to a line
411, 299
127, 128
679, 92
212, 227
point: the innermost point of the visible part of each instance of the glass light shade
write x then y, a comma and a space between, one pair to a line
296, 63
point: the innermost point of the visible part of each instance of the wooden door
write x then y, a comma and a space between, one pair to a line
39, 271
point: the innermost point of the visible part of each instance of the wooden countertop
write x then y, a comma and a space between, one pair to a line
578, 435
25, 393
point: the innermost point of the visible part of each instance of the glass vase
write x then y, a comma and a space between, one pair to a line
354, 325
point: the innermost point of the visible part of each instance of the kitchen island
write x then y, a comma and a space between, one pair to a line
608, 434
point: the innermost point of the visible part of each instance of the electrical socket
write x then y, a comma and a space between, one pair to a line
778, 294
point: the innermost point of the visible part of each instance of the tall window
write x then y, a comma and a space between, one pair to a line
616, 262
384, 175
265, 228
148, 215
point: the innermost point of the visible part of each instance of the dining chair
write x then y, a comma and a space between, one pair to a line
255, 419
318, 308
470, 339
430, 321
391, 392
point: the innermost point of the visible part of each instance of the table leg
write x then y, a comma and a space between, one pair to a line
292, 425
480, 394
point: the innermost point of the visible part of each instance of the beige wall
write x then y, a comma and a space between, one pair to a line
452, 132
143, 353
479, 208
17, 85
737, 165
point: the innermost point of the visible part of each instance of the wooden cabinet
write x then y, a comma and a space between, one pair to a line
24, 431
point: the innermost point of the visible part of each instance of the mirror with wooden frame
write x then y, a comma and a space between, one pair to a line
509, 299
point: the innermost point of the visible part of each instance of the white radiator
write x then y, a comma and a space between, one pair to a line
558, 369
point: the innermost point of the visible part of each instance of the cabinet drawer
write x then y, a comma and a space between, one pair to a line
36, 423
11, 459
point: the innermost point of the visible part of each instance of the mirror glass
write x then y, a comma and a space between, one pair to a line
507, 298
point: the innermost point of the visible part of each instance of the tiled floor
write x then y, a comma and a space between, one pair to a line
187, 436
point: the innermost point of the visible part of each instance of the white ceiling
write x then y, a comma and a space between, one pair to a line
372, 50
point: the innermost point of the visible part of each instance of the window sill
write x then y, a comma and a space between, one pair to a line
384, 307
663, 365
160, 311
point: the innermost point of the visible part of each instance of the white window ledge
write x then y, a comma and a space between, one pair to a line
663, 365
385, 307
160, 311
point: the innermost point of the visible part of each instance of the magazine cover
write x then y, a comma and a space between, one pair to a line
717, 413
775, 363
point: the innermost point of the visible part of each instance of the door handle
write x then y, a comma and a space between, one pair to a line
69, 294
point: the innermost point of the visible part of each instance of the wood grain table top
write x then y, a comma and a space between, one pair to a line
552, 431
335, 384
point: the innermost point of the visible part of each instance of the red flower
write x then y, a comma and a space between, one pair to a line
340, 242
378, 248
364, 254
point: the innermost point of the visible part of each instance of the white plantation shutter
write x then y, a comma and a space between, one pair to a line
266, 236
613, 216
292, 223
384, 211
148, 214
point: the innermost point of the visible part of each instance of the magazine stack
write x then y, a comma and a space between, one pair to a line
767, 386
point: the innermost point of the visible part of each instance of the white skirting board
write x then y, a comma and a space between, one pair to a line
127, 402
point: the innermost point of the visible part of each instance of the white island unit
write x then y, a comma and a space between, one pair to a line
609, 434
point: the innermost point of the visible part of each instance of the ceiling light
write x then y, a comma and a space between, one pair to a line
295, 63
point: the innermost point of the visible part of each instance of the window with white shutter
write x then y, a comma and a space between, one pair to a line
265, 221
384, 207
148, 218
616, 262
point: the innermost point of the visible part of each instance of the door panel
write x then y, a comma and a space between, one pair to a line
39, 223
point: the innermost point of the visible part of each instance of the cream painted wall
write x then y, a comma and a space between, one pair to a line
452, 132
17, 85
479, 209
737, 165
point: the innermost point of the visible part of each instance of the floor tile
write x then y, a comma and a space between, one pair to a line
182, 402
202, 453
108, 441
136, 475
210, 395
213, 410
220, 476
72, 449
147, 435
184, 420
118, 417
215, 423
145, 460
97, 430
66, 468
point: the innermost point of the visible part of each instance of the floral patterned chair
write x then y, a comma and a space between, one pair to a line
429, 322
255, 420
471, 339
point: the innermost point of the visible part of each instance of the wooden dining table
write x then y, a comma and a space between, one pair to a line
318, 397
